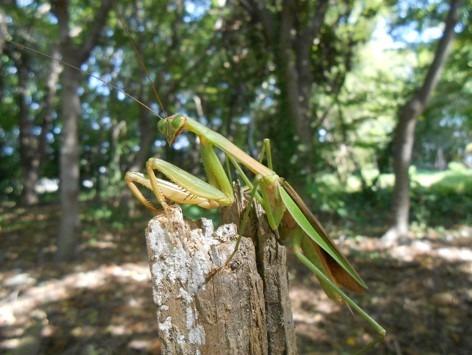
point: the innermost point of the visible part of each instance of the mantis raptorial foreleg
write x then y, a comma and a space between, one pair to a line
185, 188
169, 190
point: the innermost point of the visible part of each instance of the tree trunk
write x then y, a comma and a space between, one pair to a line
242, 309
405, 131
69, 162
147, 128
69, 151
27, 142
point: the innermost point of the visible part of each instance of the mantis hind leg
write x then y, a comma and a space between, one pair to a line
297, 248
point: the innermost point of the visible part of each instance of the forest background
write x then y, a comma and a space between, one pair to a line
367, 104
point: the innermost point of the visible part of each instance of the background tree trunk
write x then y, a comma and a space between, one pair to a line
291, 42
69, 152
405, 131
27, 142
69, 161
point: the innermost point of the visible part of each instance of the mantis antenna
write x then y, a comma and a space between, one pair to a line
125, 26
66, 64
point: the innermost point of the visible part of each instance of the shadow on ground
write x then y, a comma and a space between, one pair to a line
101, 303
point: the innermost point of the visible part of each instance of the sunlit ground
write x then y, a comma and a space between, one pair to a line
101, 303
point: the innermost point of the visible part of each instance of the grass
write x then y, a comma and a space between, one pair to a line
438, 198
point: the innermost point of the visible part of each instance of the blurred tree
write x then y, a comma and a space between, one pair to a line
34, 98
312, 46
446, 125
75, 54
405, 129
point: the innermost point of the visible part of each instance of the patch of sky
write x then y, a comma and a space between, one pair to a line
36, 130
181, 142
159, 143
8, 150
384, 38
24, 3
429, 34
244, 120
97, 84
381, 38
217, 121
87, 183
322, 133
195, 10
106, 120
155, 106
121, 96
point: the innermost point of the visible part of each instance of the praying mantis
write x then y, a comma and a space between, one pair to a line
285, 210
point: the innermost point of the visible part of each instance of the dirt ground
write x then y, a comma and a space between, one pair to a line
421, 292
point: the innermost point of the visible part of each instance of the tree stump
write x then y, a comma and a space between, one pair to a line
243, 308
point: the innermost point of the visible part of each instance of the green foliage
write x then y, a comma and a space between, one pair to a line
438, 198
210, 62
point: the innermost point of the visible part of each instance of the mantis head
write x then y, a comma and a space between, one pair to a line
171, 127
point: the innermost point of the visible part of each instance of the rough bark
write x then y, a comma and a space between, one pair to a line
243, 309
272, 266
404, 135
70, 113
225, 315
271, 260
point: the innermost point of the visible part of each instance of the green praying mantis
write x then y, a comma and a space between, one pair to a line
285, 210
